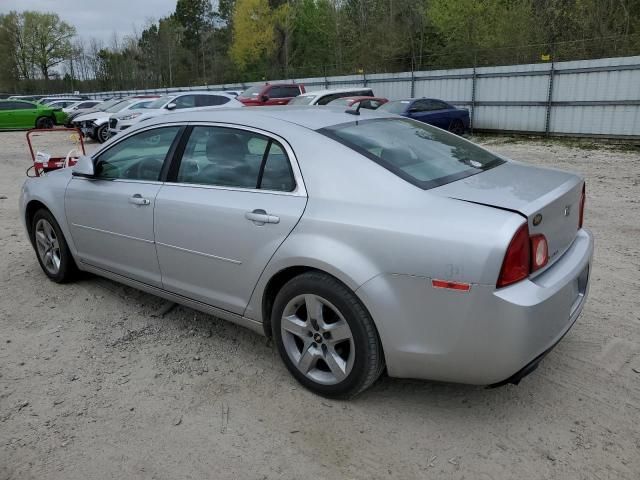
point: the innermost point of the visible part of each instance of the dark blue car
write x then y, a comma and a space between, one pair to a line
432, 111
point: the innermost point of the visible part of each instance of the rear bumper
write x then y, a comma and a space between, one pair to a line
485, 336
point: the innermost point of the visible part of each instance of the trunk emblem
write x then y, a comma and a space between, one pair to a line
567, 210
537, 219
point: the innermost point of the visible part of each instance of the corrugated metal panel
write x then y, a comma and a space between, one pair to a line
520, 91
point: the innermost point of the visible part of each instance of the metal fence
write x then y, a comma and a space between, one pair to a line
592, 98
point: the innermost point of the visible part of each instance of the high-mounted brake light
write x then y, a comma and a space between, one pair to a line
583, 198
539, 252
516, 265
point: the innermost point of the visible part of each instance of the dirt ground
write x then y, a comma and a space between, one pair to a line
98, 382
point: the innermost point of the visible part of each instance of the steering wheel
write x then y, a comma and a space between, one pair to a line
145, 169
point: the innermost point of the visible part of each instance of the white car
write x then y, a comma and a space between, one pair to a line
323, 97
81, 105
62, 103
186, 101
96, 124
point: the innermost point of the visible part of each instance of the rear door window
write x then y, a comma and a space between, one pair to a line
211, 100
230, 157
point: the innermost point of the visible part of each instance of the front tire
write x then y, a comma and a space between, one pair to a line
44, 122
51, 248
325, 336
102, 133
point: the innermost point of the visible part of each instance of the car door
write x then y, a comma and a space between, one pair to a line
439, 113
230, 201
25, 114
282, 94
111, 214
6, 115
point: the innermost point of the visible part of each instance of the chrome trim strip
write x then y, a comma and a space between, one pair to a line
249, 323
112, 233
208, 255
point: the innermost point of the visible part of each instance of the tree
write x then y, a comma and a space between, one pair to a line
253, 34
49, 40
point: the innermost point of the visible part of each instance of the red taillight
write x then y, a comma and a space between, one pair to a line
517, 261
539, 252
583, 198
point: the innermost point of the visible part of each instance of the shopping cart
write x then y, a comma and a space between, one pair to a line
48, 147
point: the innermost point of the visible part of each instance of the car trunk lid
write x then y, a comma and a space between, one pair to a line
549, 199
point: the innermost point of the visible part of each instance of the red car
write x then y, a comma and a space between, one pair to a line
270, 94
370, 103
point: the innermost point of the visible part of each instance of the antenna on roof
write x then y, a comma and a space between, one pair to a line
354, 111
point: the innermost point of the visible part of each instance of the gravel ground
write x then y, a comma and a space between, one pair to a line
99, 381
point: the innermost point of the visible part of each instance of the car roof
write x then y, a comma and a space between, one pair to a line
311, 117
334, 90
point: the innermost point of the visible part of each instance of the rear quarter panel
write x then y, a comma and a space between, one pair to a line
362, 221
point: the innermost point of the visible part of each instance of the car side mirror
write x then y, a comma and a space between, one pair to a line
171, 106
83, 167
264, 98
412, 110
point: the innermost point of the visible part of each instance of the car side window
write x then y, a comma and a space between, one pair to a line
437, 105
277, 174
420, 106
23, 106
291, 91
210, 100
139, 157
277, 92
185, 101
230, 157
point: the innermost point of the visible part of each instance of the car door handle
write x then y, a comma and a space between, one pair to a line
138, 199
260, 217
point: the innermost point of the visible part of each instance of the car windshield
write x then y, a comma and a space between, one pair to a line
161, 102
107, 104
118, 106
302, 100
252, 91
144, 104
399, 106
416, 152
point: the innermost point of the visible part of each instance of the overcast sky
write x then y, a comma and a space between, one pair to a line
99, 19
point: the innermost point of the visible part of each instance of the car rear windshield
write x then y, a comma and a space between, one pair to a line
301, 100
416, 152
252, 91
398, 106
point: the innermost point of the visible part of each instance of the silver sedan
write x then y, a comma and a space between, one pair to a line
360, 241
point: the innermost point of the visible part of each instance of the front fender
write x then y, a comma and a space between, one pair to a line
48, 190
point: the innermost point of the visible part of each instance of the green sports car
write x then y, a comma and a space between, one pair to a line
17, 114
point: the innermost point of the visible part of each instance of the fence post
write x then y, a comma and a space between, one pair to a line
364, 78
413, 80
473, 96
549, 97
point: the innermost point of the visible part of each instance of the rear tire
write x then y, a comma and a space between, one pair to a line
456, 127
51, 248
335, 351
44, 122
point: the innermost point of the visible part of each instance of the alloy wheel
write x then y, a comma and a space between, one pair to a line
47, 246
317, 339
